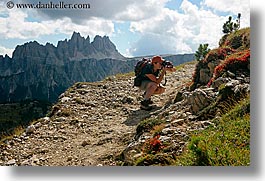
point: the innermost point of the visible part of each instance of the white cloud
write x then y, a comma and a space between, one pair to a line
117, 10
233, 8
92, 27
238, 6
16, 25
163, 33
7, 51
140, 9
183, 31
98, 20
160, 29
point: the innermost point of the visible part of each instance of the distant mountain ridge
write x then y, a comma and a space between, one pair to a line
43, 72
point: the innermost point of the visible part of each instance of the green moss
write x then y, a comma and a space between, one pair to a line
148, 125
154, 160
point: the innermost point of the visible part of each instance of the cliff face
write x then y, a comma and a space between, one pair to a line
43, 72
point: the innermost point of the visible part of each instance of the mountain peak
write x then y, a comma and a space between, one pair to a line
76, 35
100, 48
77, 41
75, 48
103, 43
29, 49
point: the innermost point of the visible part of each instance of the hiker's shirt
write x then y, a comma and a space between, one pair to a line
148, 69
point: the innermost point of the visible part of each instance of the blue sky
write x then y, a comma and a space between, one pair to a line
136, 27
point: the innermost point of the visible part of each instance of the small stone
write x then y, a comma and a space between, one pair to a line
65, 99
84, 143
38, 125
25, 163
206, 123
69, 158
171, 112
45, 119
30, 129
177, 122
11, 162
60, 119
167, 131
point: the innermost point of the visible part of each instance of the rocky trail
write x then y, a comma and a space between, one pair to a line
90, 124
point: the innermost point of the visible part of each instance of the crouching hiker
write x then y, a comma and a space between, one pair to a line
151, 75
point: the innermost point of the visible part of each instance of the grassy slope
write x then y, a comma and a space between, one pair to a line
226, 144
15, 116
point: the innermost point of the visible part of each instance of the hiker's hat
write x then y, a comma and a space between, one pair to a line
157, 59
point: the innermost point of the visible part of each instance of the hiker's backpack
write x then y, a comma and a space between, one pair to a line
138, 69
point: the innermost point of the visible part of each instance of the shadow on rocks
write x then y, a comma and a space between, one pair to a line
136, 116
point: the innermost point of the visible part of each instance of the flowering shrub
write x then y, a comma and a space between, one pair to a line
218, 54
229, 44
212, 56
196, 74
238, 60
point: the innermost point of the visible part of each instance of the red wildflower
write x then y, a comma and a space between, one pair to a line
152, 145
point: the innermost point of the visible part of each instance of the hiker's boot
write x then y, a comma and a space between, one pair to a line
145, 105
150, 101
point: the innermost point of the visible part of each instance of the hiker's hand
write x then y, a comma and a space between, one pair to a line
163, 69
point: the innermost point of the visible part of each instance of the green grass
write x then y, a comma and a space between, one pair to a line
148, 125
226, 144
159, 159
16, 116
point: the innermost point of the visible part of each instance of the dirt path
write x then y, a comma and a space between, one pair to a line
90, 124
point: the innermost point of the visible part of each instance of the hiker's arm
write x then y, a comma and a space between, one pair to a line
153, 78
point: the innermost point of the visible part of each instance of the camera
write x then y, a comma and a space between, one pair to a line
167, 64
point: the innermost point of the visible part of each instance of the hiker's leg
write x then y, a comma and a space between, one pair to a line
150, 89
160, 89
144, 84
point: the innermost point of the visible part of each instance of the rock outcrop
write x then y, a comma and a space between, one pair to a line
43, 72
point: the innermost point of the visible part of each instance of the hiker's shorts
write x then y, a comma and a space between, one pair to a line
144, 84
